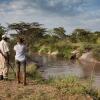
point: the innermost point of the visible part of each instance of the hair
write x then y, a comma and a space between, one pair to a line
20, 40
5, 38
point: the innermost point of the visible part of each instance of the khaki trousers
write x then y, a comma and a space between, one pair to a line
3, 67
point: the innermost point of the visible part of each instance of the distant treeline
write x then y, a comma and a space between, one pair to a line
37, 30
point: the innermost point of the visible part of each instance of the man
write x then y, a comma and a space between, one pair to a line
4, 58
20, 58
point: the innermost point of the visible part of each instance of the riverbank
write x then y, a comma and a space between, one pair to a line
11, 91
37, 88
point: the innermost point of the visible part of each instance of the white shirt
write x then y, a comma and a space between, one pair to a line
4, 46
4, 49
20, 50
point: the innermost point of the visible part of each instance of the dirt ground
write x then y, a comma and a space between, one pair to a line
10, 90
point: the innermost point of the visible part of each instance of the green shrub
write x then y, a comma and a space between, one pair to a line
65, 51
33, 73
72, 85
96, 52
98, 40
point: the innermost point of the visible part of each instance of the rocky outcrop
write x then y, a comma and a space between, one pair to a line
87, 56
88, 59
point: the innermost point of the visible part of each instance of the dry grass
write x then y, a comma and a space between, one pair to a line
34, 90
9, 90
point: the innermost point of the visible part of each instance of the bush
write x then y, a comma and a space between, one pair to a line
65, 51
98, 40
68, 84
71, 85
33, 73
96, 52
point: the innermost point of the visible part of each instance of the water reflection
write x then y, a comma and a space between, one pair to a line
53, 66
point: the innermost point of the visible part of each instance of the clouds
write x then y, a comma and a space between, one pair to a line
65, 7
70, 14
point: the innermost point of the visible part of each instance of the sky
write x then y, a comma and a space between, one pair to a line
70, 14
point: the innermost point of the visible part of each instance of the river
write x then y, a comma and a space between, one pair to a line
51, 66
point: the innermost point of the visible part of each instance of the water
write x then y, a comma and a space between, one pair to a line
53, 66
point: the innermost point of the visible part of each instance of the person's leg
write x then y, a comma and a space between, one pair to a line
18, 71
1, 67
5, 73
1, 74
5, 70
24, 72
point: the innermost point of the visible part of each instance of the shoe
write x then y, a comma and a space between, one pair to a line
1, 77
5, 79
18, 82
24, 84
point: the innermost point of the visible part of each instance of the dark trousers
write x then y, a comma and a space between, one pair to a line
19, 73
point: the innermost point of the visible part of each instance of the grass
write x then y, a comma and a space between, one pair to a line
32, 72
69, 84
72, 85
55, 88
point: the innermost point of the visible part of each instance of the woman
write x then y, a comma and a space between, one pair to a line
20, 59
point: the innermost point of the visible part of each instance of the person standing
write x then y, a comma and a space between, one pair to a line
20, 58
4, 58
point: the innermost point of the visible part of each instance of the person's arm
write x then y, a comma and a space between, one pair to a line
6, 52
2, 54
25, 50
7, 57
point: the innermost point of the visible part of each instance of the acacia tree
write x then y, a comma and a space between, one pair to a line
82, 35
31, 32
60, 32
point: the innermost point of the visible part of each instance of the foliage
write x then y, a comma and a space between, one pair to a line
82, 35
60, 32
98, 40
96, 52
68, 84
65, 51
33, 73
72, 85
31, 32
2, 31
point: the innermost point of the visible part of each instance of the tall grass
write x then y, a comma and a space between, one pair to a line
73, 85
32, 72
69, 84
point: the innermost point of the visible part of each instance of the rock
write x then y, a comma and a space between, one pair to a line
90, 63
87, 58
54, 53
49, 53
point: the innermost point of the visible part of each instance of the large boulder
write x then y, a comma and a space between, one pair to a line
88, 59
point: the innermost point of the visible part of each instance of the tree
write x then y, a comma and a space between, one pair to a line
2, 31
31, 32
60, 32
81, 35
